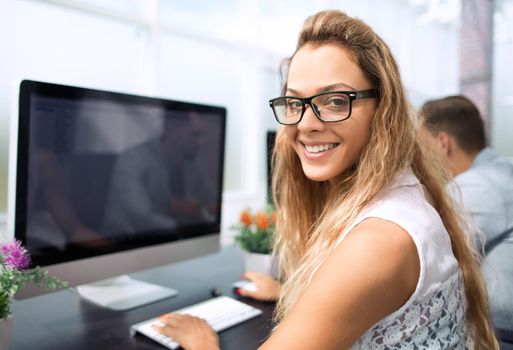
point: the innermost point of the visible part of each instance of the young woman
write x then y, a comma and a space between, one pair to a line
370, 249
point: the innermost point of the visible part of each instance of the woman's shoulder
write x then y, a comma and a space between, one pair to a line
386, 246
405, 204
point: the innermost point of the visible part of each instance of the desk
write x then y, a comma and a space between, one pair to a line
62, 321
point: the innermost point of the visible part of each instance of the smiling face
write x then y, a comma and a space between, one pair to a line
328, 149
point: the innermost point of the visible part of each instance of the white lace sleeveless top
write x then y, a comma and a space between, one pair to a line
434, 316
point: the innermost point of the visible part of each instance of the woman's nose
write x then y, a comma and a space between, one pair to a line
310, 122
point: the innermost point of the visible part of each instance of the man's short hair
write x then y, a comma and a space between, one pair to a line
459, 117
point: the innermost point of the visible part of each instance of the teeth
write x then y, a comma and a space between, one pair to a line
319, 148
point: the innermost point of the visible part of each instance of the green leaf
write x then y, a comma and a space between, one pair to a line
258, 241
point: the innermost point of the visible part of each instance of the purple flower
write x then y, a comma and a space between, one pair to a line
14, 255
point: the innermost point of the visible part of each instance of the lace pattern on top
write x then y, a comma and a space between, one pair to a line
437, 321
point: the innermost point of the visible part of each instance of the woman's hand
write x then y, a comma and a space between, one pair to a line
268, 289
192, 333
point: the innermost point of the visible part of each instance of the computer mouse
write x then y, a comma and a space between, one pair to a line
243, 284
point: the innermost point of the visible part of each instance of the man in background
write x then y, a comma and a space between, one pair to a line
484, 185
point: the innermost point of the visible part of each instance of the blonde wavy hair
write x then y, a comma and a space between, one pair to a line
312, 215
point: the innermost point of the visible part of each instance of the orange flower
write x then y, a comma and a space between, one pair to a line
262, 220
245, 218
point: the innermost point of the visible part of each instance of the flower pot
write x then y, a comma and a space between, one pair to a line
5, 332
256, 262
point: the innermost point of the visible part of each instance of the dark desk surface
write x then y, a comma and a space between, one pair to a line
62, 320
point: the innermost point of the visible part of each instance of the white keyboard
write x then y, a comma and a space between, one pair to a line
220, 313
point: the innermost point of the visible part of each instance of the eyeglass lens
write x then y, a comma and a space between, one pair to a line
328, 107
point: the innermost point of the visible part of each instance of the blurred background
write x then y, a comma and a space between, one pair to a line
228, 52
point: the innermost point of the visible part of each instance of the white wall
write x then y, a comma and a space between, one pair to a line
223, 52
502, 87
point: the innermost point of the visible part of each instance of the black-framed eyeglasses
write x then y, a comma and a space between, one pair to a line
329, 107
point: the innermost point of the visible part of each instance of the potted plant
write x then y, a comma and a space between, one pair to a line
255, 237
14, 275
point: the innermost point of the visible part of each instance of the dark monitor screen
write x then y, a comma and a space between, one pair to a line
101, 172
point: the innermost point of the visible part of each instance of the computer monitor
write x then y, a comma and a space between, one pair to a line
104, 184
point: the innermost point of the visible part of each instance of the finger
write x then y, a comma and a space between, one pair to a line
244, 276
247, 293
166, 330
164, 318
171, 319
178, 319
174, 324
249, 275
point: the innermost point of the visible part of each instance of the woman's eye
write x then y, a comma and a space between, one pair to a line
295, 105
337, 102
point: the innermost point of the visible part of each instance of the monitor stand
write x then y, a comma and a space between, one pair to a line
123, 293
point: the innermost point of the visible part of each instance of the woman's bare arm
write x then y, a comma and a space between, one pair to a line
368, 276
